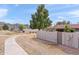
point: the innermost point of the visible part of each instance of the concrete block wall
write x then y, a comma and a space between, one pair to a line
49, 36
70, 39
67, 39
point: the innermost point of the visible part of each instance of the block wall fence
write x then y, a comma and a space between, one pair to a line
63, 38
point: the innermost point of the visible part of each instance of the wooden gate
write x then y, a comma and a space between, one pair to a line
59, 37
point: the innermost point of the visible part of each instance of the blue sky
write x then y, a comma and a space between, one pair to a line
21, 13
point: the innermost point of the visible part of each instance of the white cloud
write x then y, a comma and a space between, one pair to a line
16, 5
3, 12
61, 18
74, 13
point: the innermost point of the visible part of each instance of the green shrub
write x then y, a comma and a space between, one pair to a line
5, 27
72, 30
68, 29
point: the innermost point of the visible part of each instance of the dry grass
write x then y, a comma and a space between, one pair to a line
6, 32
2, 42
11, 33
36, 46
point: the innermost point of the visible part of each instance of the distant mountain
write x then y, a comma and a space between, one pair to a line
12, 26
2, 23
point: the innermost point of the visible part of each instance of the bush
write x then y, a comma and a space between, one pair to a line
68, 29
72, 30
5, 27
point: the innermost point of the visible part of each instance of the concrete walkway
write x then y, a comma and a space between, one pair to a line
12, 48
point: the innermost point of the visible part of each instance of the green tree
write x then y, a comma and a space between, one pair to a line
40, 19
21, 26
5, 27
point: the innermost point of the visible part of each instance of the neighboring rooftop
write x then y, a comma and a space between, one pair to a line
75, 26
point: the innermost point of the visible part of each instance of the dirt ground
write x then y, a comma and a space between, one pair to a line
3, 36
2, 42
35, 46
